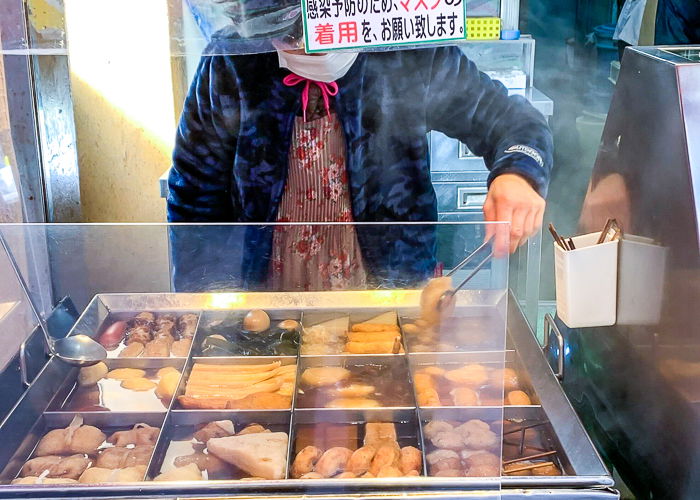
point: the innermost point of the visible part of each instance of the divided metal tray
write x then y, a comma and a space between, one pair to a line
42, 408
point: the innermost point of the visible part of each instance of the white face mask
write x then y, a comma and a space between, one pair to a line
325, 68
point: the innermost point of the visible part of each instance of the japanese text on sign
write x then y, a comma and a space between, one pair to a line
344, 24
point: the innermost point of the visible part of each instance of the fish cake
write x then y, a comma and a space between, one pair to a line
261, 401
58, 467
378, 347
352, 391
411, 459
506, 378
168, 369
217, 429
472, 375
387, 455
120, 458
518, 398
372, 336
361, 460
389, 471
430, 297
324, 376
133, 350
71, 440
424, 382
305, 461
138, 384
464, 396
204, 461
374, 327
333, 461
189, 472
158, 348
90, 375
167, 385
429, 397
181, 348
141, 434
126, 373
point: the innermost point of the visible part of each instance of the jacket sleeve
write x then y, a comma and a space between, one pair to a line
205, 146
508, 132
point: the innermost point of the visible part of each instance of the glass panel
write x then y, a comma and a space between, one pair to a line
17, 319
354, 369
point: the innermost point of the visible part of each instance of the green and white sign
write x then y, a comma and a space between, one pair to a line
356, 24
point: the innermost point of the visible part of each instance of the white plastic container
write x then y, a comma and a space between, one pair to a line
586, 282
642, 274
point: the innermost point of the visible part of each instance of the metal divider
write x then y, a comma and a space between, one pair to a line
419, 415
292, 419
168, 415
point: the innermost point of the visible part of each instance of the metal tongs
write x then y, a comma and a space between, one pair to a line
447, 298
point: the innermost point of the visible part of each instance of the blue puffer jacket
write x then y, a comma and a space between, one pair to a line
230, 159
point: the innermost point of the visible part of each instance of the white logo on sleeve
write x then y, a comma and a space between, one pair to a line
527, 151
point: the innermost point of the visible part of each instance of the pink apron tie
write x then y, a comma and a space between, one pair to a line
327, 89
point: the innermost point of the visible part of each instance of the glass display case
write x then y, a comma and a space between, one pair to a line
231, 392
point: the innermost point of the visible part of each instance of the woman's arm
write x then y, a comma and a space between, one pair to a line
205, 146
508, 132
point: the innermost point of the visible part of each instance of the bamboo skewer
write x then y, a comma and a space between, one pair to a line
531, 457
530, 467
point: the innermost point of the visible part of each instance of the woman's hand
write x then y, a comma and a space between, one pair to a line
512, 199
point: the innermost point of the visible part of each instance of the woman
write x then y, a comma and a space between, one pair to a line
258, 130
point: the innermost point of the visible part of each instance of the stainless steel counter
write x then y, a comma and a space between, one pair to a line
584, 476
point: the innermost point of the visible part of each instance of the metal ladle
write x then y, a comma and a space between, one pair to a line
447, 300
77, 350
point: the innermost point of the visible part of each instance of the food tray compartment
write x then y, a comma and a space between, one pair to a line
108, 423
223, 333
177, 440
453, 435
341, 382
330, 333
110, 394
217, 382
470, 380
528, 433
484, 329
327, 430
108, 333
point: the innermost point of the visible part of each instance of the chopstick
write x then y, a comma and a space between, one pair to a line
604, 233
558, 239
611, 232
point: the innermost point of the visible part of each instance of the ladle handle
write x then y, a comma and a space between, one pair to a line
25, 290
